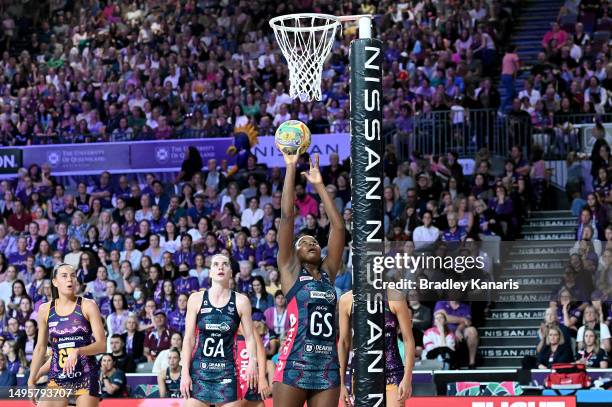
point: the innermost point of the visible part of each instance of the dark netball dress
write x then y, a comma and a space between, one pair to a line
242, 362
173, 387
65, 334
213, 368
309, 355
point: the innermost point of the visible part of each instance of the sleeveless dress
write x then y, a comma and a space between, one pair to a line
173, 387
213, 368
242, 361
309, 355
65, 334
394, 367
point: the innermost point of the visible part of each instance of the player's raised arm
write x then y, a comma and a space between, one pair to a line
288, 264
335, 245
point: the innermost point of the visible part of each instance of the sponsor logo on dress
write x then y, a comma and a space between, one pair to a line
53, 324
226, 381
66, 345
292, 319
216, 366
206, 310
306, 278
223, 327
330, 296
315, 348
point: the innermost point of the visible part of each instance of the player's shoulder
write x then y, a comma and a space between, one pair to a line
346, 299
196, 298
242, 300
44, 307
87, 304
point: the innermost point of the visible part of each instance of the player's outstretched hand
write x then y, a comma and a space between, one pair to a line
290, 159
314, 174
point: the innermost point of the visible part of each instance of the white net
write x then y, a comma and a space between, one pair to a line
305, 40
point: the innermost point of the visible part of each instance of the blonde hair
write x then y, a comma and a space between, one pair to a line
554, 328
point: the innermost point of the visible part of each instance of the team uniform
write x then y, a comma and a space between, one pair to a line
309, 355
213, 367
65, 334
394, 368
242, 361
173, 387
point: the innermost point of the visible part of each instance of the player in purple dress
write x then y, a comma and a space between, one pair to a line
398, 375
307, 370
73, 326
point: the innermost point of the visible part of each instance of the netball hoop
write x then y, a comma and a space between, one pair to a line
306, 41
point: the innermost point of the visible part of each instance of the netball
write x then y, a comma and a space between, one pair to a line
292, 137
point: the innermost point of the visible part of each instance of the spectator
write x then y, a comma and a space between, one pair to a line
133, 339
427, 233
593, 321
592, 355
555, 350
439, 340
259, 297
123, 361
459, 319
510, 68
115, 322
157, 338
113, 383
162, 361
7, 378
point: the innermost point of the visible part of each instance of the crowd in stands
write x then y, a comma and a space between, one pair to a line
126, 70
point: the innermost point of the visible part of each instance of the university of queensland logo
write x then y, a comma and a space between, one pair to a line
53, 158
162, 154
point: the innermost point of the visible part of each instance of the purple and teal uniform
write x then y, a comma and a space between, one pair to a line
213, 369
67, 333
242, 362
309, 356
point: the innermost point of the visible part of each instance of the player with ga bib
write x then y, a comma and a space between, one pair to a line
398, 375
307, 368
73, 326
208, 372
251, 397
